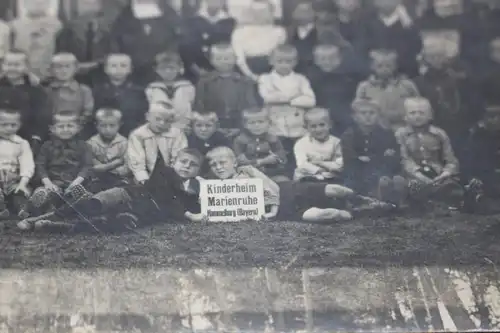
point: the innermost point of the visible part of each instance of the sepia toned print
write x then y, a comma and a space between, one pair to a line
249, 165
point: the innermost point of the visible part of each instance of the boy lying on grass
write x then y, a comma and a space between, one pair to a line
176, 199
294, 201
170, 194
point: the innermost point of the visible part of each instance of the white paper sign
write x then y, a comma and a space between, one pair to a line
232, 200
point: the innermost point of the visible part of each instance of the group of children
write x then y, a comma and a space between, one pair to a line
326, 144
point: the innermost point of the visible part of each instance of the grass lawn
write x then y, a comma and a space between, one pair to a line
356, 273
443, 240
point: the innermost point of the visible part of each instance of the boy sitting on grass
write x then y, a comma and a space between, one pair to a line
62, 165
318, 153
309, 202
170, 194
156, 142
16, 163
428, 158
482, 166
372, 160
108, 151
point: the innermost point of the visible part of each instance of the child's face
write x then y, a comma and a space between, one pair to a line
168, 72
386, 7
9, 124
283, 63
187, 166
118, 67
318, 127
108, 127
366, 117
256, 124
14, 66
223, 60
304, 14
347, 5
65, 127
327, 59
418, 115
495, 51
64, 71
204, 129
384, 68
160, 121
223, 166
436, 58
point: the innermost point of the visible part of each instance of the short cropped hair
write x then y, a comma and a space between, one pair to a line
254, 111
383, 54
208, 116
417, 101
221, 47
325, 47
287, 49
221, 151
64, 57
65, 114
10, 111
118, 54
191, 152
108, 113
316, 111
168, 58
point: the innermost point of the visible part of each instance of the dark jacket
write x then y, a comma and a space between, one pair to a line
405, 41
86, 43
363, 176
482, 155
454, 101
144, 39
216, 140
62, 161
163, 196
199, 35
129, 98
34, 105
305, 47
335, 92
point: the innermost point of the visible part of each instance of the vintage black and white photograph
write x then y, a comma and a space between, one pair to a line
249, 166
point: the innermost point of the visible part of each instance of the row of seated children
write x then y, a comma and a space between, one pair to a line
428, 162
285, 92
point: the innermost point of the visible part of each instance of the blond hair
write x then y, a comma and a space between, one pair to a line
221, 151
208, 117
108, 113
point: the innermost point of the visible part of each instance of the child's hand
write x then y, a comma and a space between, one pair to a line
314, 159
364, 159
21, 187
52, 187
423, 178
389, 153
443, 176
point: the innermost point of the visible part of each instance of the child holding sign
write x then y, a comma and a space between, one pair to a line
311, 202
170, 194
